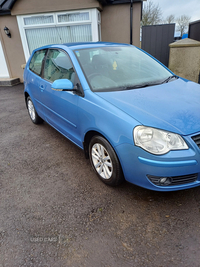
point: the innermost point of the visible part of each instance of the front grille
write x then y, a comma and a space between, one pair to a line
196, 139
175, 180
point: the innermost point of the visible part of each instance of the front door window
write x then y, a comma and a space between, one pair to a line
58, 66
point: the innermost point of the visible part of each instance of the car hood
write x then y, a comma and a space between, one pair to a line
173, 106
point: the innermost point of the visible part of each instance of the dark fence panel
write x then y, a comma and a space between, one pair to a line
156, 40
194, 30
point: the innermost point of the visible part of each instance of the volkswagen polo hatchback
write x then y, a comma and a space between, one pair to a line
134, 119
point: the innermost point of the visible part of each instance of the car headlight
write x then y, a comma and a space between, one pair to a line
157, 141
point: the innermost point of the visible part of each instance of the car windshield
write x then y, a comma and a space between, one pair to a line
112, 68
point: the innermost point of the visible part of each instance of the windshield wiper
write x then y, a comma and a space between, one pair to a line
139, 85
170, 78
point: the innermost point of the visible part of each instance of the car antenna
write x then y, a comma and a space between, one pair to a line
58, 34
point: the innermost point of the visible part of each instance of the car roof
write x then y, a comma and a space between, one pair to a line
83, 45
91, 44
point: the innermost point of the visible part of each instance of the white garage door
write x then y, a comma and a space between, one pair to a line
3, 67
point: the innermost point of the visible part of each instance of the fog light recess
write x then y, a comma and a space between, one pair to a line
173, 180
161, 181
165, 181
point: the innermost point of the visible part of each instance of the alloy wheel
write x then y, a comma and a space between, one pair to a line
31, 110
102, 161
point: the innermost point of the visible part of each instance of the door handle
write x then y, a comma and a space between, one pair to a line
42, 87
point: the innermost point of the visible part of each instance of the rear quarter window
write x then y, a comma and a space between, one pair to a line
36, 61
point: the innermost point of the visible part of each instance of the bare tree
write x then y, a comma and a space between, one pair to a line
170, 19
151, 14
183, 23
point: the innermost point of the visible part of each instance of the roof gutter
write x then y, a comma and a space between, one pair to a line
5, 12
117, 2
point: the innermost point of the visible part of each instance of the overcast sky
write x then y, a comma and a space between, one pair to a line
190, 8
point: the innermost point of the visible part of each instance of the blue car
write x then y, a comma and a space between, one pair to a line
134, 119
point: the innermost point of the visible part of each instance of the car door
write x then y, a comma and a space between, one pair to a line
34, 79
60, 107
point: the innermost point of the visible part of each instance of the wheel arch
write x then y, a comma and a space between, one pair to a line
119, 174
87, 139
26, 95
88, 136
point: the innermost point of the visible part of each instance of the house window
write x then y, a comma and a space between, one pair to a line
84, 16
63, 27
33, 20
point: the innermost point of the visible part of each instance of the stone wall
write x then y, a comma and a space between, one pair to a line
184, 59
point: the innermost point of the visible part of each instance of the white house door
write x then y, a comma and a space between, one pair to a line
3, 66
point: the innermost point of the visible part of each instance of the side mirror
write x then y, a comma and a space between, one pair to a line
62, 85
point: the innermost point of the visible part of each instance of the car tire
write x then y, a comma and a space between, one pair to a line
32, 112
105, 162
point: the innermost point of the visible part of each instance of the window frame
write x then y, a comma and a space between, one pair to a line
42, 65
76, 79
44, 61
38, 25
94, 21
78, 22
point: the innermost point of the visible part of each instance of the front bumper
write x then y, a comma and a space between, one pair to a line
138, 165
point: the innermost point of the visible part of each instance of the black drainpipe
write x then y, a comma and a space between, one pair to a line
131, 23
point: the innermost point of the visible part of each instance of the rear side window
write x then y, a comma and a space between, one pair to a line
36, 61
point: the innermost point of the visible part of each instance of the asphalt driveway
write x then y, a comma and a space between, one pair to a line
55, 212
